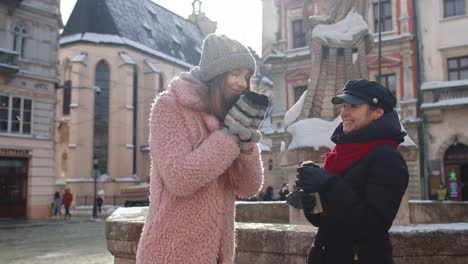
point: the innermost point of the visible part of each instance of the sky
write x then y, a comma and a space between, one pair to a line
238, 19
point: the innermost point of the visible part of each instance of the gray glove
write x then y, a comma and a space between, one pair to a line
245, 117
254, 106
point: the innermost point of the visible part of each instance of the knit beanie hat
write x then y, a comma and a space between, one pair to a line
221, 54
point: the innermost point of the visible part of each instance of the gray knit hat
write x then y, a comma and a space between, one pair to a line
221, 54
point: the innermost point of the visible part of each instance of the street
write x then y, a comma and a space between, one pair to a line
80, 240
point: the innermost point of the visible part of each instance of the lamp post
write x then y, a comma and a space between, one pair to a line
380, 41
95, 168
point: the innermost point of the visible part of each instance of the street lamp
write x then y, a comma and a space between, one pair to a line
95, 168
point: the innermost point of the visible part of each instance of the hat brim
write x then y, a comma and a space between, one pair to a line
347, 98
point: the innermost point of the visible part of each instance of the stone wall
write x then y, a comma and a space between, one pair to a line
281, 243
262, 212
423, 212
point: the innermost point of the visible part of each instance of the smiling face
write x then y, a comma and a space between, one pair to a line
236, 83
355, 117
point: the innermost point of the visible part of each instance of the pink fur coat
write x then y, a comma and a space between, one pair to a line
191, 214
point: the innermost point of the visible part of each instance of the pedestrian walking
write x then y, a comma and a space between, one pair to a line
57, 204
99, 202
66, 201
204, 151
362, 181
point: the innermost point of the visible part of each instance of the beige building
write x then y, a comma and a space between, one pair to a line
444, 76
110, 73
29, 32
291, 59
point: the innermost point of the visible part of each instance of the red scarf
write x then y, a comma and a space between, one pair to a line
344, 156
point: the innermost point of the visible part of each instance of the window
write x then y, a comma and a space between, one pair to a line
298, 91
298, 33
270, 164
67, 87
19, 39
457, 68
386, 24
454, 8
389, 81
15, 115
101, 116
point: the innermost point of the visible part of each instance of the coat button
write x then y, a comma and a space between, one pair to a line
323, 247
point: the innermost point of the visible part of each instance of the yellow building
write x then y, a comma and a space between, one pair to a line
115, 56
29, 32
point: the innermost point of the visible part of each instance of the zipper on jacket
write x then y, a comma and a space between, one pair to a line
356, 255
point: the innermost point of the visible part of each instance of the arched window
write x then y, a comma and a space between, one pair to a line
101, 116
19, 39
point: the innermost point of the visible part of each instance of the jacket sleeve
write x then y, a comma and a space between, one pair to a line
250, 181
386, 183
185, 170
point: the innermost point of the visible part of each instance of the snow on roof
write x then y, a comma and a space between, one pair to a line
80, 57
446, 103
9, 51
312, 132
126, 58
342, 32
267, 80
115, 39
302, 51
391, 37
151, 66
293, 113
443, 84
264, 148
407, 140
133, 178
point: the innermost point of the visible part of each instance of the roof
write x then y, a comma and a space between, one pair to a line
141, 21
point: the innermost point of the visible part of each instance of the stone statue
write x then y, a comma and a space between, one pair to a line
339, 41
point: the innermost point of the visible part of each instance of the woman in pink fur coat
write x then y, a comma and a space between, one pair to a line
198, 167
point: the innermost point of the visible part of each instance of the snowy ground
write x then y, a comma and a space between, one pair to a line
79, 240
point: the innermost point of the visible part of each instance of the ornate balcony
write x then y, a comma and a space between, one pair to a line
445, 94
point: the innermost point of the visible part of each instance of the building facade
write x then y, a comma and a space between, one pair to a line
29, 32
111, 72
443, 49
290, 54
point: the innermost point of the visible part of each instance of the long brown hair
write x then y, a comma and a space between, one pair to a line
218, 106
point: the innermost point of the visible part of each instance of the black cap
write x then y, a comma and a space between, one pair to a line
366, 92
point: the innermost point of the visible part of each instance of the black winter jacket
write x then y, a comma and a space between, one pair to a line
363, 202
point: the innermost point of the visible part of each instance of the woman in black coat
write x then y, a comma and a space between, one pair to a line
362, 182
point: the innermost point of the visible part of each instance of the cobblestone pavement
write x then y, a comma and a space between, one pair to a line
53, 242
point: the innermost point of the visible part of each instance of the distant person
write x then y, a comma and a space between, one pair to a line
441, 193
57, 204
284, 192
268, 195
204, 151
99, 202
66, 201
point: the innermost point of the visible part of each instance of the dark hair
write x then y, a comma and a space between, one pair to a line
217, 104
374, 107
